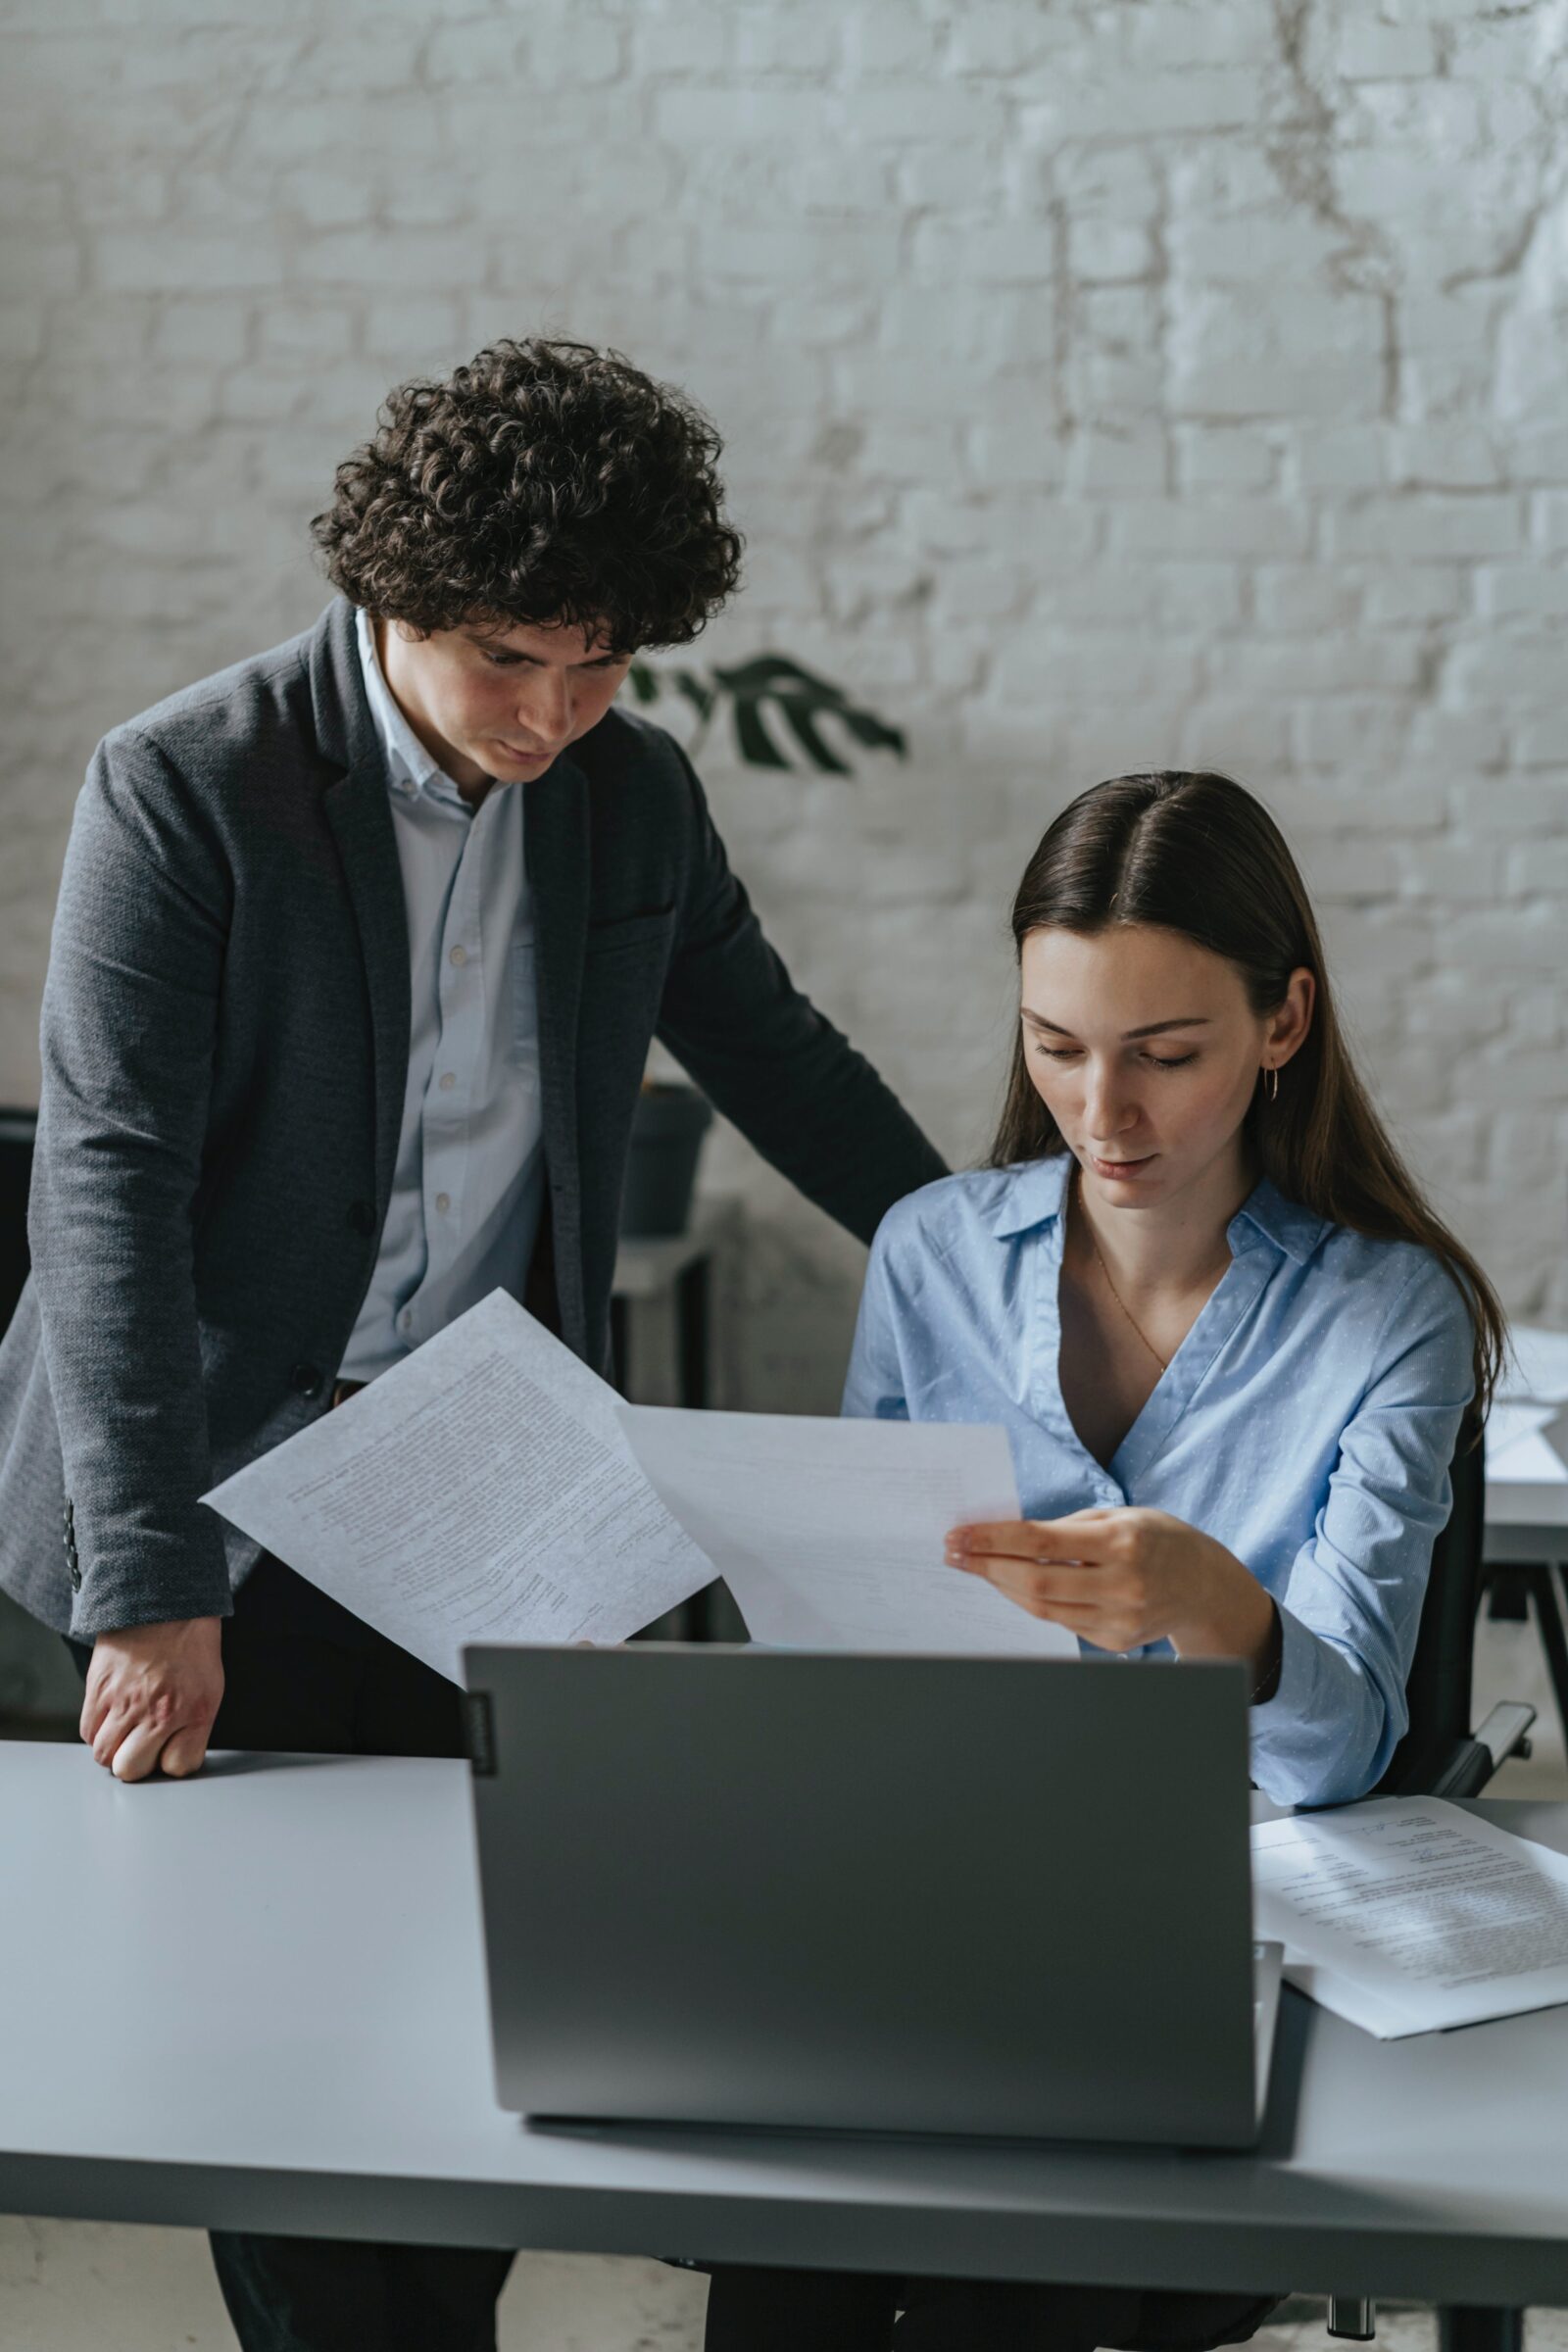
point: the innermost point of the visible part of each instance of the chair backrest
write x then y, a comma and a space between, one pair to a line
1439, 1689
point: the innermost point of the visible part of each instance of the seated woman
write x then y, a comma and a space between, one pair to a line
1232, 1345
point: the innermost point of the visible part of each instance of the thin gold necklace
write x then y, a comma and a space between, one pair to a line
1162, 1361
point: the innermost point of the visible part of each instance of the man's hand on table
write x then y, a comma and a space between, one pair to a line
152, 1694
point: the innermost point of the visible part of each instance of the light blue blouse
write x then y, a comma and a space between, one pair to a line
1307, 1422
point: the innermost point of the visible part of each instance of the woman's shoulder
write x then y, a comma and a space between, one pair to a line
944, 1217
1410, 1286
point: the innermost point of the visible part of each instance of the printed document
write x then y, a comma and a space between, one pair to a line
829, 1532
491, 1488
1405, 1914
482, 1491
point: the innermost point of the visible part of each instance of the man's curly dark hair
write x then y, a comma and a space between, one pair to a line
545, 482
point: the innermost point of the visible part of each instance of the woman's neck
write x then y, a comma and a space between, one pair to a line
1170, 1249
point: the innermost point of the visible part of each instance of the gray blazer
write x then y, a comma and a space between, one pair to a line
226, 1036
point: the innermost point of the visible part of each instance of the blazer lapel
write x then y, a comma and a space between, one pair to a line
556, 848
358, 811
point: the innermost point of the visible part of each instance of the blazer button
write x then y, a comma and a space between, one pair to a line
306, 1379
361, 1218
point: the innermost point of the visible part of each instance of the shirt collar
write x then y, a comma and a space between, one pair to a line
411, 769
1034, 1190
1295, 1230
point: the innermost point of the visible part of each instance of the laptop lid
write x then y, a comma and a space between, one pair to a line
992, 1895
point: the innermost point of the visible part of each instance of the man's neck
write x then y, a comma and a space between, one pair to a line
470, 780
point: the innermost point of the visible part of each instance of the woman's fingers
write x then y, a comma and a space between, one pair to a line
1036, 1584
1059, 1540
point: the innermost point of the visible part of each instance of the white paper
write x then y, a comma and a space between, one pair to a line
1406, 1915
1526, 1446
829, 1533
1536, 1366
480, 1491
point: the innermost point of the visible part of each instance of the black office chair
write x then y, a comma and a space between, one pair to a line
1440, 1755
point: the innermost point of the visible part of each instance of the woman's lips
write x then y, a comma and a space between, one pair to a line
1124, 1169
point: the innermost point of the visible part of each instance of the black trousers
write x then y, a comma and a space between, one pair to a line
300, 1672
828, 2311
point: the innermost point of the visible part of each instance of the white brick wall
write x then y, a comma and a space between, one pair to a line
1104, 382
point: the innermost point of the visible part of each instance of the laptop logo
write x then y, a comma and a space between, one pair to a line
480, 1728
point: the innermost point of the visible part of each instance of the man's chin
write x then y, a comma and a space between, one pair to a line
513, 767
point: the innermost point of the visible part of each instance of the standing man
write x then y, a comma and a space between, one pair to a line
358, 950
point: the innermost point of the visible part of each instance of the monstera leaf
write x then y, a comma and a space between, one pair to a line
769, 696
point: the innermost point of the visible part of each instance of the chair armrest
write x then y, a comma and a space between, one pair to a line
1502, 1733
1474, 1760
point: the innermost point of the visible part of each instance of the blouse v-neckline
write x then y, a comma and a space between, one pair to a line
1228, 1303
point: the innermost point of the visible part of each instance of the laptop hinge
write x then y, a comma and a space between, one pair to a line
479, 1726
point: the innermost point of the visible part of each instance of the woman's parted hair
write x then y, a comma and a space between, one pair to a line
1195, 854
545, 482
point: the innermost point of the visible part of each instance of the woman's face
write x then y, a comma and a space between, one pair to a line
1144, 1049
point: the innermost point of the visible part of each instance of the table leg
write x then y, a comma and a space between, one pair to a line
692, 1299
1546, 1589
620, 1344
1480, 2327
691, 1323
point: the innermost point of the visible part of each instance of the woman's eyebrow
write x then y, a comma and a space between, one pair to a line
1189, 1020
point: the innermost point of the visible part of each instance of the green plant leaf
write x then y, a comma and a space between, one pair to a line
770, 687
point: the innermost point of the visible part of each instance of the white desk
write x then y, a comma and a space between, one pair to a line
256, 2000
1527, 1482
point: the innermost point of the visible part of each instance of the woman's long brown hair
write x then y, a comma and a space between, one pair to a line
1198, 855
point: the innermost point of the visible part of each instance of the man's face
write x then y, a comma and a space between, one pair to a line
499, 702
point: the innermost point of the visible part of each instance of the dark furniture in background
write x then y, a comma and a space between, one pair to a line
18, 1129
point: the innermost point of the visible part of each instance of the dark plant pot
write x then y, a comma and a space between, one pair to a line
666, 1136
17, 1131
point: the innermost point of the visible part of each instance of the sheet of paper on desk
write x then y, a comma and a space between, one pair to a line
481, 1490
1535, 1367
1406, 1915
1528, 1444
829, 1532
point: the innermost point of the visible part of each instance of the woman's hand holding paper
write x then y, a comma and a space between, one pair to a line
1123, 1577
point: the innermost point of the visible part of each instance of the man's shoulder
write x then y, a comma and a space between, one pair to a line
625, 744
237, 712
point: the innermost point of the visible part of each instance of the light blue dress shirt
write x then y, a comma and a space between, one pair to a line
469, 1182
1306, 1421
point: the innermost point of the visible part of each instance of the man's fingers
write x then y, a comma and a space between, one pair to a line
137, 1754
186, 1752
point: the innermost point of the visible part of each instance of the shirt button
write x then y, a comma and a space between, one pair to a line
443, 1201
406, 1318
447, 1081
460, 955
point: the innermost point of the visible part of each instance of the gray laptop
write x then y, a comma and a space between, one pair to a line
981, 1895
